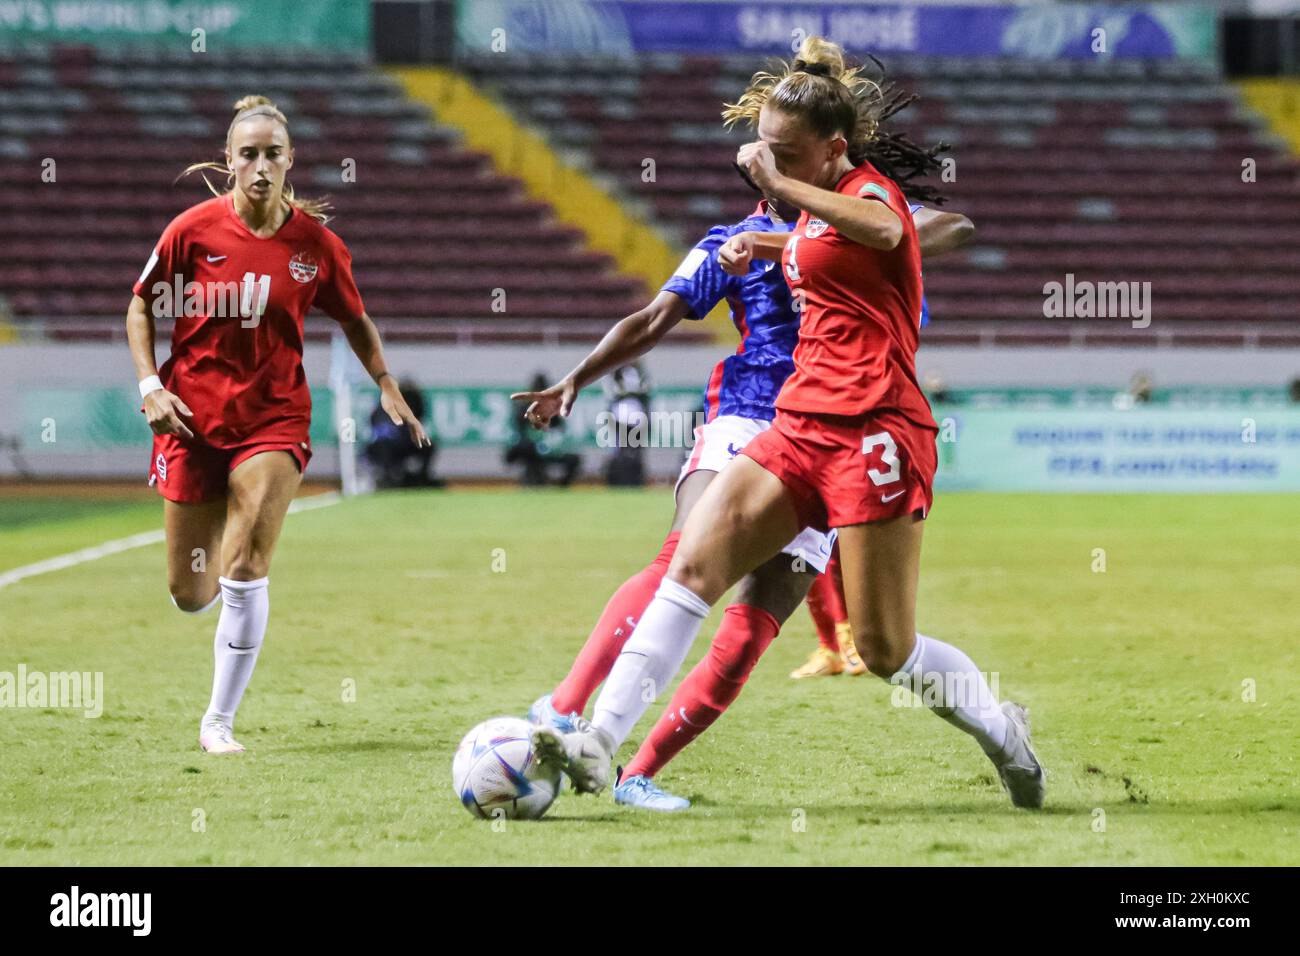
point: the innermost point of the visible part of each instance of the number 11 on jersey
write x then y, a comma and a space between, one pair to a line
252, 314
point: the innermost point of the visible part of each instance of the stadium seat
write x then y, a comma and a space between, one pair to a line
1115, 170
434, 229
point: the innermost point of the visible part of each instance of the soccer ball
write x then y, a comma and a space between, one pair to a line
496, 774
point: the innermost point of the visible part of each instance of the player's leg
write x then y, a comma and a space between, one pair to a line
844, 630
880, 562
193, 533
260, 490
192, 481
744, 518
826, 605
622, 611
766, 598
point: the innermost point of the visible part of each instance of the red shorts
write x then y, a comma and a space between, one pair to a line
844, 470
190, 471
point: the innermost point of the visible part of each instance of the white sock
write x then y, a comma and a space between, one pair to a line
948, 683
207, 607
240, 629
650, 659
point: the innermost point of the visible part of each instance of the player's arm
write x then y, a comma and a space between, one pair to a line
630, 338
165, 412
873, 224
736, 254
366, 345
940, 232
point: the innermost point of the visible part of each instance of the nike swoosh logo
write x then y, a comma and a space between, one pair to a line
888, 498
217, 258
240, 647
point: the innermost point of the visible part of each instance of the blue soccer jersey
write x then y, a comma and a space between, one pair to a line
746, 383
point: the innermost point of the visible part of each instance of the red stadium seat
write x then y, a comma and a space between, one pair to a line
433, 228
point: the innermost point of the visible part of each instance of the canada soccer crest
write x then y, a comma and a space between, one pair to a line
815, 228
160, 466
303, 267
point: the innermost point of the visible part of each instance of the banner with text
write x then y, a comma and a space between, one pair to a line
1146, 449
335, 24
1042, 30
1033, 447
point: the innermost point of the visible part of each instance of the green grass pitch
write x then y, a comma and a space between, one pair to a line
1162, 692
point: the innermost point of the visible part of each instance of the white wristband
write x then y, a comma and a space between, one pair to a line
151, 384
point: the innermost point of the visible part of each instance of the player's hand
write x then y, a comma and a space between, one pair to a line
736, 254
395, 407
757, 160
166, 413
546, 404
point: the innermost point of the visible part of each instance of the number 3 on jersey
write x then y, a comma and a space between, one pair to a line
252, 313
888, 456
792, 267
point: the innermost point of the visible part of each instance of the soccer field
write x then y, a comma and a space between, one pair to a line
1161, 690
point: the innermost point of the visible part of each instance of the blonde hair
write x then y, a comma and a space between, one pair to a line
819, 88
834, 98
247, 107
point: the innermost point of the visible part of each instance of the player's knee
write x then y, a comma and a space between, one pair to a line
882, 656
696, 577
192, 600
775, 587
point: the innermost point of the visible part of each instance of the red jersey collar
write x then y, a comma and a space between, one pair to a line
229, 199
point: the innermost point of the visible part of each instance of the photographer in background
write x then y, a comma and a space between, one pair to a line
540, 451
628, 393
396, 461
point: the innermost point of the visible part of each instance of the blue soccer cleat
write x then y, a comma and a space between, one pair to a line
543, 714
641, 792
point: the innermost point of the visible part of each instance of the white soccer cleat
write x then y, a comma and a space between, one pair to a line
1023, 777
584, 755
219, 739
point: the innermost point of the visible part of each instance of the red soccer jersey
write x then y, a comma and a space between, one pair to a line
239, 303
861, 313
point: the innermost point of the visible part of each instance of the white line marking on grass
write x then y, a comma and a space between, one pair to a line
80, 557
117, 546
312, 502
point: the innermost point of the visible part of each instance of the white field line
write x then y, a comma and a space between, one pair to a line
140, 540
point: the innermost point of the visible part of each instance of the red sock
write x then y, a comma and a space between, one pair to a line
709, 689
826, 603
611, 632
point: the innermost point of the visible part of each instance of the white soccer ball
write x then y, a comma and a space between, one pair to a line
496, 774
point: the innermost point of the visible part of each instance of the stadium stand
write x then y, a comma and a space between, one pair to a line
432, 227
1120, 170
